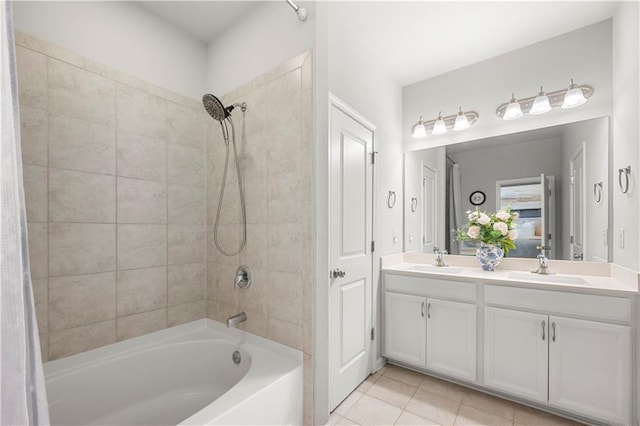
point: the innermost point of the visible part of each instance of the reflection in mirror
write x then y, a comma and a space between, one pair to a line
564, 162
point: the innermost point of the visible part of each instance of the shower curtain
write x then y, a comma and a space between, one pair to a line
23, 399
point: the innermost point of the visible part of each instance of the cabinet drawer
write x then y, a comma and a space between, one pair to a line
588, 305
439, 288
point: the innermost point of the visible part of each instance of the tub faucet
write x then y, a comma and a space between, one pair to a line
543, 261
439, 257
234, 320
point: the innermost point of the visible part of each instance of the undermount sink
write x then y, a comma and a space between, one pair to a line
432, 268
552, 279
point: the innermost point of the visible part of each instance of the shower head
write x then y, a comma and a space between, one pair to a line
214, 107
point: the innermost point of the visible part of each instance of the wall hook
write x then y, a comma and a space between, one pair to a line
623, 179
597, 191
391, 199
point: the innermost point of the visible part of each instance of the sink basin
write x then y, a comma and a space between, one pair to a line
552, 279
439, 269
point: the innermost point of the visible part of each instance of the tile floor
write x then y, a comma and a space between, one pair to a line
397, 396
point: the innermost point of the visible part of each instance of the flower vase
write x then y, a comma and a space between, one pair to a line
489, 256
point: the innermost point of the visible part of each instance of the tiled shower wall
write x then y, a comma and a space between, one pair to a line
115, 187
274, 139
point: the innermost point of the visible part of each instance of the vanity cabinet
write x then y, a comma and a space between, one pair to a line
585, 365
405, 328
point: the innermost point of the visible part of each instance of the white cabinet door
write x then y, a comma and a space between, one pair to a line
589, 368
451, 338
516, 352
405, 328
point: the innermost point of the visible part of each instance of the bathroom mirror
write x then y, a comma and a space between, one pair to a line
570, 163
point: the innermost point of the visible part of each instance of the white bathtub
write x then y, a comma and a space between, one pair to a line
181, 375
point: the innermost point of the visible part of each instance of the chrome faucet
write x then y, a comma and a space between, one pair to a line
234, 320
439, 257
543, 261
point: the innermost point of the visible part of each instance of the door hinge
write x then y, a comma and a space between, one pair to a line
572, 239
373, 157
373, 246
572, 180
373, 334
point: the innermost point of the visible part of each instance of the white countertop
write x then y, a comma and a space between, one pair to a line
559, 281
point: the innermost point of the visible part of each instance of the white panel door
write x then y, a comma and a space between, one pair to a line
577, 205
516, 352
405, 328
451, 338
589, 368
350, 228
429, 209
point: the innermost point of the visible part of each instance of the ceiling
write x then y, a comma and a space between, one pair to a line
413, 40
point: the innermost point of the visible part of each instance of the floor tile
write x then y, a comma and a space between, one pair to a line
410, 419
471, 416
531, 417
489, 404
392, 391
433, 407
348, 403
371, 411
443, 388
368, 382
400, 374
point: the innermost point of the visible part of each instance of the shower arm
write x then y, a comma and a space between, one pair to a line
300, 11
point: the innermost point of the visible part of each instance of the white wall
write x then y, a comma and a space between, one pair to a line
264, 39
121, 35
584, 55
626, 131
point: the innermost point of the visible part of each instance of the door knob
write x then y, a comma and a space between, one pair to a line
578, 256
337, 273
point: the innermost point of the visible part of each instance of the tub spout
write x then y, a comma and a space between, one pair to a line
234, 320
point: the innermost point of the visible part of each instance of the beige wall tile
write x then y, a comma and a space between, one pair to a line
257, 249
44, 346
284, 150
306, 74
33, 135
187, 283
76, 248
81, 197
141, 201
41, 300
32, 78
256, 297
186, 244
186, 165
284, 198
186, 312
81, 145
226, 293
77, 93
141, 112
142, 246
141, 290
186, 205
255, 118
285, 332
81, 300
139, 324
256, 200
212, 287
35, 193
141, 157
284, 98
38, 249
285, 247
75, 340
285, 297
186, 126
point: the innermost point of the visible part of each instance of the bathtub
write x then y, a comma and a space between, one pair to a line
181, 375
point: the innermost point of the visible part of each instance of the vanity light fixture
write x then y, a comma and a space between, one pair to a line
573, 96
441, 125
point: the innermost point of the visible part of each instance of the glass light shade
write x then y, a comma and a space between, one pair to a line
513, 110
419, 131
574, 97
541, 104
439, 127
461, 122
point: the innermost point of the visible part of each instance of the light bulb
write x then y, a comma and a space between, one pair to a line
541, 104
574, 97
419, 131
461, 122
513, 110
439, 127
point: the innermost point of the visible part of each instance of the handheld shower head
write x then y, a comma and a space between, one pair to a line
214, 107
